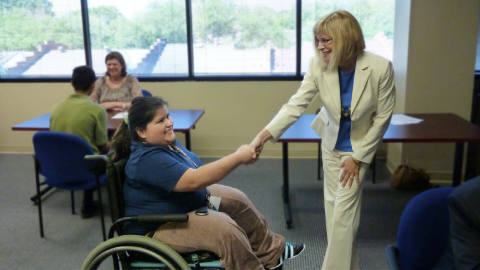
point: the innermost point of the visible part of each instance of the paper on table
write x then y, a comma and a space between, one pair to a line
402, 119
121, 115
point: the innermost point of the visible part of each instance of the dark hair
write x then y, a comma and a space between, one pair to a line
82, 78
119, 57
141, 112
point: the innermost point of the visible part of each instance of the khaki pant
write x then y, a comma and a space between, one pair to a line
342, 212
237, 233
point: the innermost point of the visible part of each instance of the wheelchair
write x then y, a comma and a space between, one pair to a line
136, 251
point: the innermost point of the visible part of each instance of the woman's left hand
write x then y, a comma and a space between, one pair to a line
350, 172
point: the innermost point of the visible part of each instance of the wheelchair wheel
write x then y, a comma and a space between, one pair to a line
136, 243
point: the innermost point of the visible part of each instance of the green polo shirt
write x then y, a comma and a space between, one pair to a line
80, 116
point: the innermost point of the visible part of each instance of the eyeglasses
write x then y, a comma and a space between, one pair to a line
324, 41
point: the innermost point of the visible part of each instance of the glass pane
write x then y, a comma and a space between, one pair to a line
40, 38
376, 18
244, 37
150, 34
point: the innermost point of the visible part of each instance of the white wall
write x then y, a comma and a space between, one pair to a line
434, 58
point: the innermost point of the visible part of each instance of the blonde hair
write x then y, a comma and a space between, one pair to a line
346, 34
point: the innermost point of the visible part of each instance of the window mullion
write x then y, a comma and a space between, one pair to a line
86, 33
188, 9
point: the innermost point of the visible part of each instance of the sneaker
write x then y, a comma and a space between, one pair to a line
88, 212
291, 251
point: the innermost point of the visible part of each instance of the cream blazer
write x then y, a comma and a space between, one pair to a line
373, 99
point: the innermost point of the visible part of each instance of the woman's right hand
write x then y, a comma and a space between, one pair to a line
259, 141
246, 154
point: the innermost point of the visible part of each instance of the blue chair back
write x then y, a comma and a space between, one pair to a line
424, 229
146, 93
61, 157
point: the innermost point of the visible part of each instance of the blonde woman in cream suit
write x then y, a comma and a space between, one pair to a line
357, 91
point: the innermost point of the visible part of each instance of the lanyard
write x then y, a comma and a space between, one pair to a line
175, 147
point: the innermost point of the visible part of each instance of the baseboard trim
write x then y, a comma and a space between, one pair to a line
16, 149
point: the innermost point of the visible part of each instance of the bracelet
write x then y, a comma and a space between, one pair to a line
123, 106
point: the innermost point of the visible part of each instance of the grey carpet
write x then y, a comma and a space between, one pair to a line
69, 239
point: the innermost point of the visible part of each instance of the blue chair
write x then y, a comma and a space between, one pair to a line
59, 157
422, 233
146, 93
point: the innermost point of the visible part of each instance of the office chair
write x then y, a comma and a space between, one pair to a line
422, 233
59, 157
134, 251
146, 93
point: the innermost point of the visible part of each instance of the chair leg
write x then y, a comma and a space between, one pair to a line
39, 200
72, 198
43, 191
102, 219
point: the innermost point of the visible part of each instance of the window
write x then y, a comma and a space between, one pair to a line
176, 39
151, 35
244, 37
31, 30
376, 17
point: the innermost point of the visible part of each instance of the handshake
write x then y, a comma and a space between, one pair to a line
249, 154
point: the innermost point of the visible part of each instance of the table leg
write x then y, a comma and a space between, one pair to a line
319, 162
285, 188
457, 164
43, 191
187, 141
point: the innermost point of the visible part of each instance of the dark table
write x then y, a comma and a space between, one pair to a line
184, 121
435, 128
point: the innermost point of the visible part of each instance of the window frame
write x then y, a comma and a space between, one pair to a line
298, 76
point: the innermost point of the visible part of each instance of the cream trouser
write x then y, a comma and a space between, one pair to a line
342, 212
237, 233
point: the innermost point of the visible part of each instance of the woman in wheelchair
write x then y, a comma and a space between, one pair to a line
163, 177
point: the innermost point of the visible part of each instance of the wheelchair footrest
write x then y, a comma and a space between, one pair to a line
197, 260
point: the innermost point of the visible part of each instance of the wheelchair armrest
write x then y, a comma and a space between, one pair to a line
147, 218
163, 218
101, 162
392, 257
97, 158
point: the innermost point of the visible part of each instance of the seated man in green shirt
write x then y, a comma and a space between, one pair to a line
80, 116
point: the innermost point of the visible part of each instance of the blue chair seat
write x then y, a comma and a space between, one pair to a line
146, 93
422, 233
76, 185
59, 157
